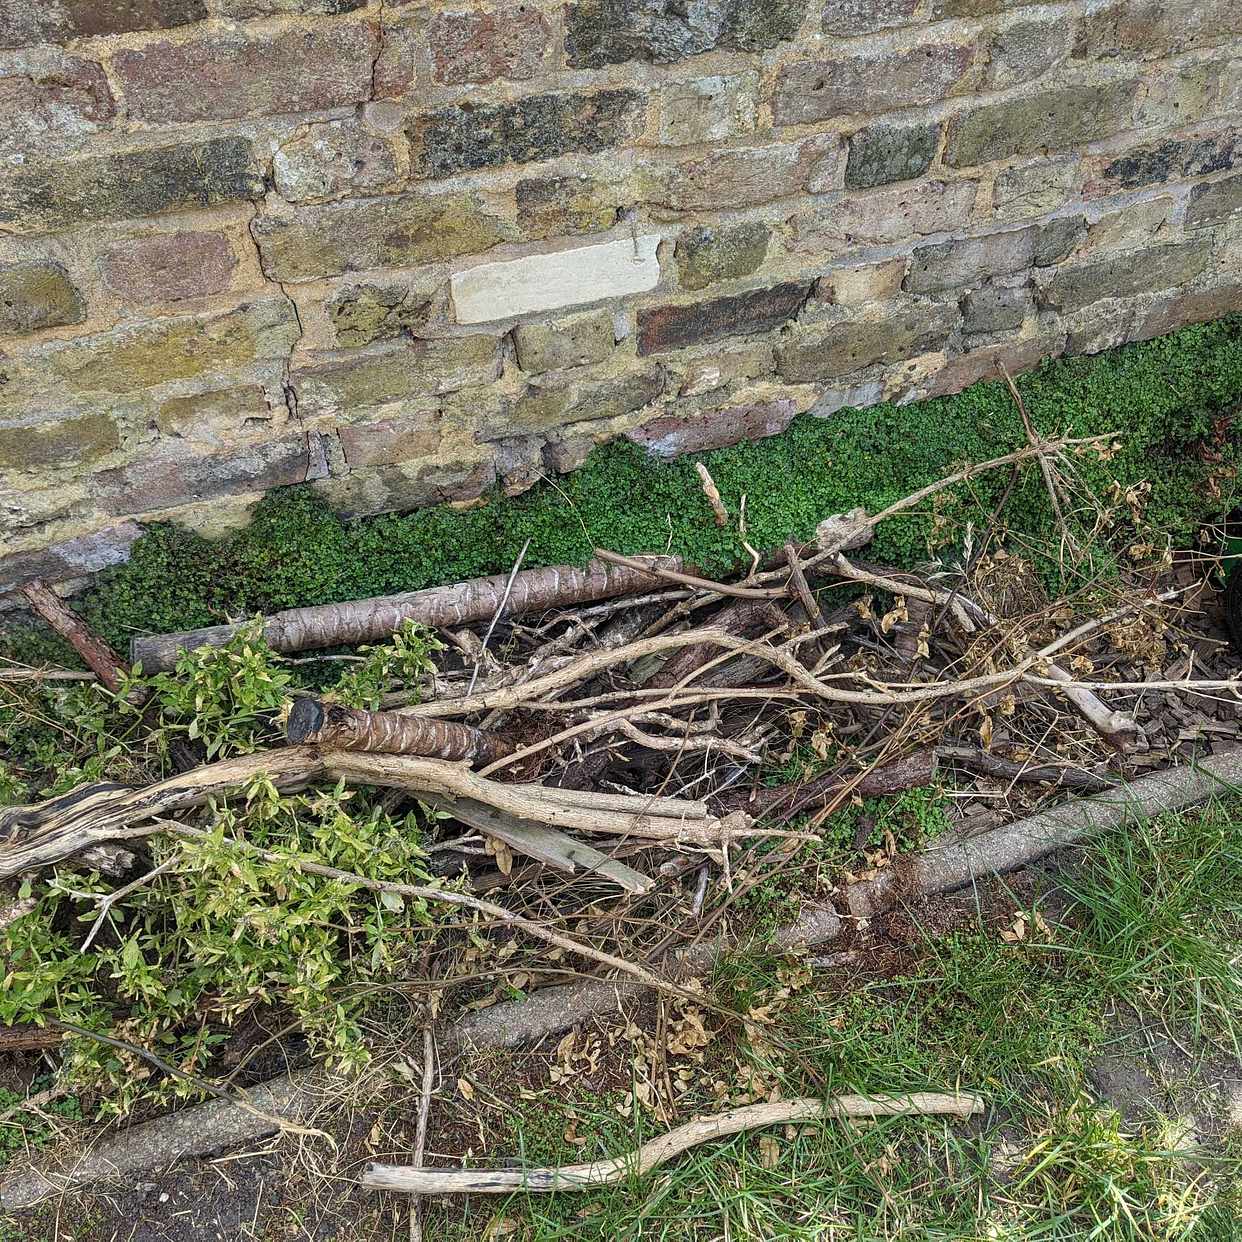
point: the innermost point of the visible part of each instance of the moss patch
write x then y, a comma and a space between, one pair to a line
1172, 403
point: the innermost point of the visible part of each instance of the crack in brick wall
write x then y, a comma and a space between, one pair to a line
405, 251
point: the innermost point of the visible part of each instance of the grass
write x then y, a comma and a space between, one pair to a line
1151, 922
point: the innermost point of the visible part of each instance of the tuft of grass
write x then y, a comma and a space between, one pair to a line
1159, 904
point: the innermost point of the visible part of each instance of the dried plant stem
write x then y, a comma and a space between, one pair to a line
418, 1180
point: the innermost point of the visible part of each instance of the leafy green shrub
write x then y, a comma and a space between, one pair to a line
227, 697
406, 658
222, 930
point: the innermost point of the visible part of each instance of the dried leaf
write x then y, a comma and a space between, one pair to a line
769, 1151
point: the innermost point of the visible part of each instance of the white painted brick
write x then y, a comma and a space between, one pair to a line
546, 282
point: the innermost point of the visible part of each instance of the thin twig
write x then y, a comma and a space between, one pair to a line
420, 1133
504, 599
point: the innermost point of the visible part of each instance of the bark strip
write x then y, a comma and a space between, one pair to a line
387, 733
464, 603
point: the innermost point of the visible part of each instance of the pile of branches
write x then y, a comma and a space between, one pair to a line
613, 729
600, 747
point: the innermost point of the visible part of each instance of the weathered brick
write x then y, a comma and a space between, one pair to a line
1034, 189
1057, 239
1214, 203
972, 8
1017, 357
995, 308
1179, 95
217, 413
1129, 274
37, 294
395, 73
132, 358
663, 328
564, 206
403, 230
545, 282
40, 198
1027, 50
745, 176
859, 85
1147, 29
707, 255
70, 558
846, 18
882, 154
565, 399
750, 360
169, 267
1054, 120
243, 9
708, 109
610, 32
331, 157
699, 431
72, 439
181, 475
22, 22
413, 435
953, 264
51, 102
565, 343
215, 77
866, 282
539, 127
1182, 308
414, 369
362, 314
813, 356
483, 45
1139, 224
379, 489
1170, 159
884, 217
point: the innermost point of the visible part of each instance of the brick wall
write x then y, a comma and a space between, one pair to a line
403, 250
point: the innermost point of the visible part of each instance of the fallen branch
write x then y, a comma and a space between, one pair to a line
784, 801
1005, 769
350, 728
427, 1181
49, 832
375, 620
961, 862
98, 656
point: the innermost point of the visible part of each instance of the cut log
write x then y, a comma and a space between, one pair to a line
387, 733
97, 654
377, 619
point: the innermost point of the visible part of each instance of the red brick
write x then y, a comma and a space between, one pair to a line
29, 21
216, 77
674, 434
50, 101
860, 85
482, 46
170, 267
672, 327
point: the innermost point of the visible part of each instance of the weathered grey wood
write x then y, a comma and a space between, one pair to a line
548, 845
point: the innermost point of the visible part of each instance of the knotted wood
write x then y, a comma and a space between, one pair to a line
377, 619
387, 733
